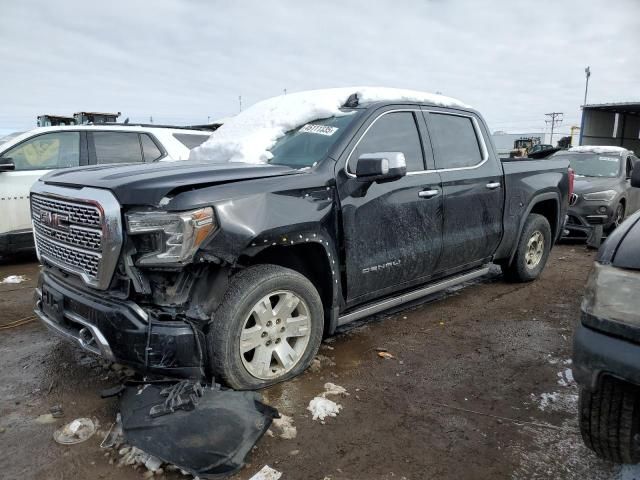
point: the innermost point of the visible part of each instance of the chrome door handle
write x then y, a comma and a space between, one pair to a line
428, 193
493, 185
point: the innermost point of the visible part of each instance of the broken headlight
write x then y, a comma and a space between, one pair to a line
612, 294
170, 238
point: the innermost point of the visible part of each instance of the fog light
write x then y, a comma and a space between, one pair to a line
602, 209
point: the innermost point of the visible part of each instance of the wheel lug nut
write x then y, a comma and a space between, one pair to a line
277, 321
282, 329
269, 323
277, 340
268, 343
264, 334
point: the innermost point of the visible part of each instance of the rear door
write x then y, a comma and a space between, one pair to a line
392, 231
33, 158
107, 147
472, 188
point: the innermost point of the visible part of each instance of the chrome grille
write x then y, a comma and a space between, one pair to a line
78, 230
79, 214
78, 236
69, 258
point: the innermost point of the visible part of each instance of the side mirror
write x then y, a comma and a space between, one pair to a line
381, 166
6, 164
635, 176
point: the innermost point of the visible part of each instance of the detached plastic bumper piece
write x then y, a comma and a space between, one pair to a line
205, 431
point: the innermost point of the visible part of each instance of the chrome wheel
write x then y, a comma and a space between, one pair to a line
535, 250
275, 335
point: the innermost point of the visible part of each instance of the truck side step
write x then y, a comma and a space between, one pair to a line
410, 296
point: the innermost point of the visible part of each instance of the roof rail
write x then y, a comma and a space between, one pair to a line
204, 128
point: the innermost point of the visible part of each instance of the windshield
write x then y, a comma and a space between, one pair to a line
306, 145
594, 165
11, 136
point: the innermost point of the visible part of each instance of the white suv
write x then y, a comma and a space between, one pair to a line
26, 157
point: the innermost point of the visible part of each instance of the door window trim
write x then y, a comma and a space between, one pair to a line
417, 172
479, 137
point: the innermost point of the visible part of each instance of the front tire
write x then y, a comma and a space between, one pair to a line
618, 217
267, 328
532, 252
610, 420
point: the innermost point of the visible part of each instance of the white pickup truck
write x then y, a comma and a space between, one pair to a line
27, 156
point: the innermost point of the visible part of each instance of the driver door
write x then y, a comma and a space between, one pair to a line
392, 230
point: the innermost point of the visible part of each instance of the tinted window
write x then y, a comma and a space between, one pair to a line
191, 141
117, 147
149, 148
393, 132
456, 141
51, 150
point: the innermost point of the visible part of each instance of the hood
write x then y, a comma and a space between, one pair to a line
594, 184
147, 184
622, 248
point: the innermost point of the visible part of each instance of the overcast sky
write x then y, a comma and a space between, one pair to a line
185, 61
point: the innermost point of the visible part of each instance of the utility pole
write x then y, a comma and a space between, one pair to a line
587, 72
285, 91
555, 118
240, 101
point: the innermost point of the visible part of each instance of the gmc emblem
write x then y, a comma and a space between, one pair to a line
55, 220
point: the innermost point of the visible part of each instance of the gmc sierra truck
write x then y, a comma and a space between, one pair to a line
236, 270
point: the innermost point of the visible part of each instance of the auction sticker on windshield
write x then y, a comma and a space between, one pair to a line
319, 129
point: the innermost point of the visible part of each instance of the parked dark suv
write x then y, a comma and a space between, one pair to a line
606, 352
603, 194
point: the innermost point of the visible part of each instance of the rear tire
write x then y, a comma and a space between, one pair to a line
257, 337
610, 420
532, 251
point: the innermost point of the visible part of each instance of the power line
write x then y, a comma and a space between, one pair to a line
555, 118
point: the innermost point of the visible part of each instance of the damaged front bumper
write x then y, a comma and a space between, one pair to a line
120, 331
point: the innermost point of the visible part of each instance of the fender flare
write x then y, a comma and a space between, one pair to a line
305, 236
532, 203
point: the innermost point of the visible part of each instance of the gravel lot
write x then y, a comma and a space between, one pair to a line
479, 386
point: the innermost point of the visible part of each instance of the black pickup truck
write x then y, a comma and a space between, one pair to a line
235, 270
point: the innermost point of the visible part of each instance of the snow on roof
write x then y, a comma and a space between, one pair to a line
248, 136
598, 149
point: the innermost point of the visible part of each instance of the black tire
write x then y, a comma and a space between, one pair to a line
519, 270
610, 420
245, 289
618, 217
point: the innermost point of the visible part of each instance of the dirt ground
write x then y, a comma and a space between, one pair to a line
480, 386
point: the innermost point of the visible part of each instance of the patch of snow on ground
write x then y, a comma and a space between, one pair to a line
267, 473
566, 378
559, 453
248, 136
14, 279
321, 408
629, 472
284, 427
333, 389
